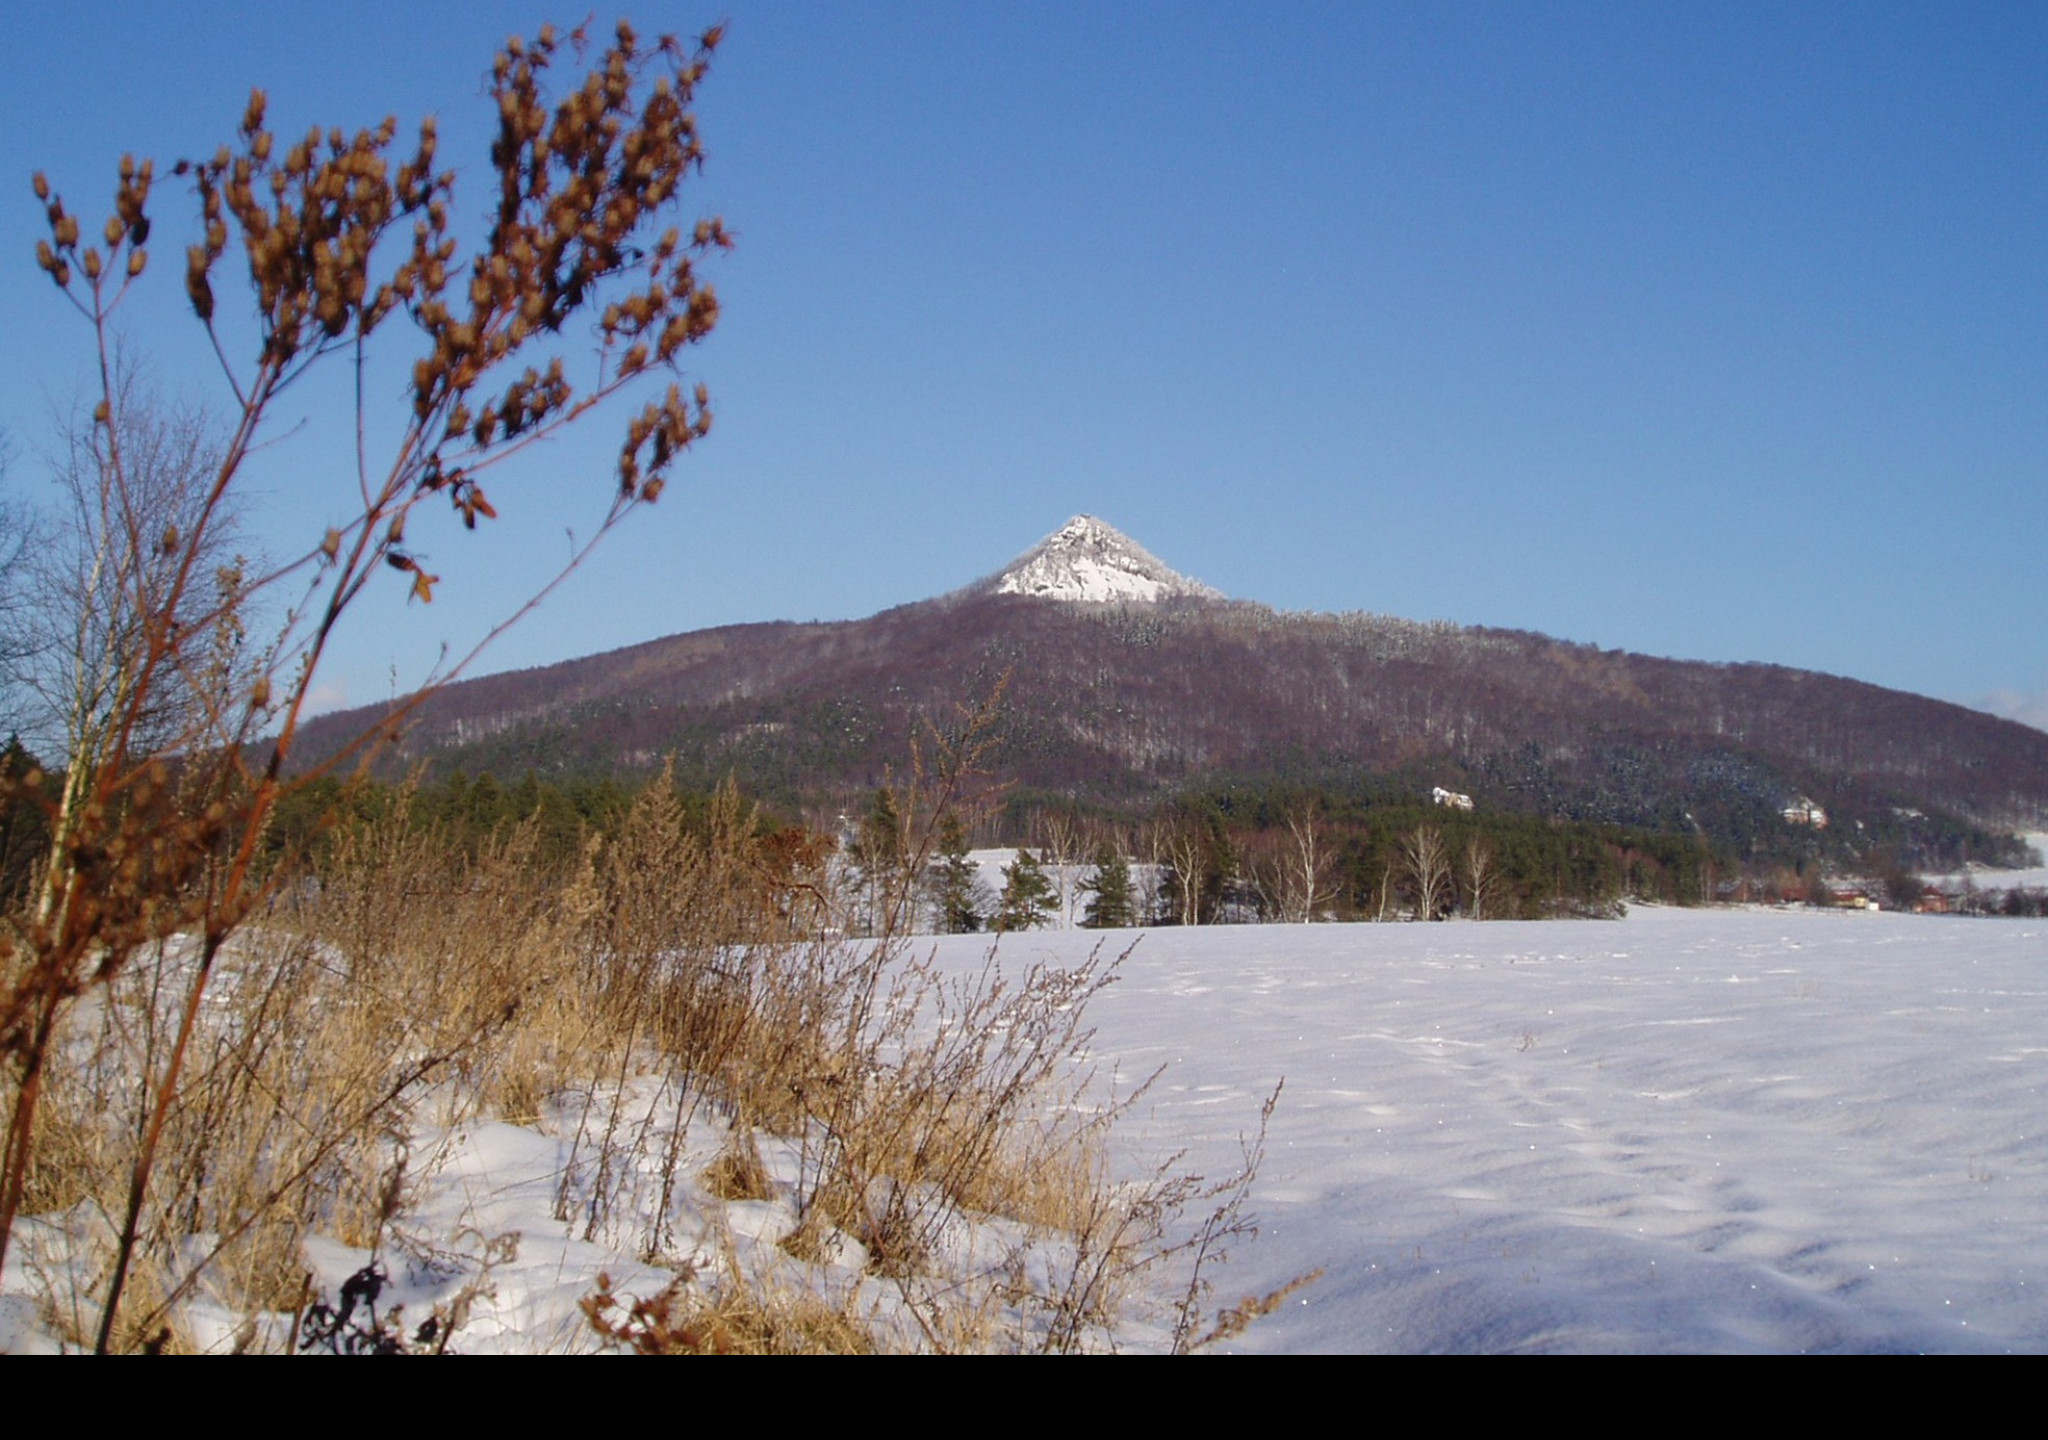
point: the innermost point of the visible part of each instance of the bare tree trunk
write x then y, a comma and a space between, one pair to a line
1312, 863
1479, 873
1429, 867
1148, 883
1271, 875
1060, 832
1184, 856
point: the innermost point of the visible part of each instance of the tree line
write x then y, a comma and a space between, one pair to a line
1136, 705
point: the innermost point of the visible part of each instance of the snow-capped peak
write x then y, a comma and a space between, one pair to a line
1087, 561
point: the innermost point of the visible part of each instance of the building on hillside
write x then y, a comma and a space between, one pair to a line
1804, 812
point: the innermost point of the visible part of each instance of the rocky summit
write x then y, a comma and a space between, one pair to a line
1087, 561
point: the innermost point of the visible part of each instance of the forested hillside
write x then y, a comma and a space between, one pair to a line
1125, 705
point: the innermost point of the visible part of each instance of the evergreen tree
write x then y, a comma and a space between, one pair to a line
1109, 891
1028, 898
956, 888
878, 851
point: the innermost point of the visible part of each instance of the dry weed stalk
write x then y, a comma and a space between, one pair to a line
915, 1102
682, 1320
407, 984
392, 980
194, 1047
339, 235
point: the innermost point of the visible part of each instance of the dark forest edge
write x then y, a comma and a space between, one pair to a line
1230, 850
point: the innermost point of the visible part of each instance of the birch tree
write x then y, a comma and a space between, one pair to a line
1428, 866
1479, 874
1311, 864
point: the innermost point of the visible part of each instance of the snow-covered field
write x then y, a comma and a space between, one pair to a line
1688, 1130
2034, 877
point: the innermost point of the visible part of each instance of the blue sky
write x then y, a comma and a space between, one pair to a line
1717, 331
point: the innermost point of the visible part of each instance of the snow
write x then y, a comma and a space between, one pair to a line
1689, 1130
1067, 881
1089, 562
1715, 1129
1983, 877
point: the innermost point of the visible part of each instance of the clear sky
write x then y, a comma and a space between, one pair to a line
1717, 331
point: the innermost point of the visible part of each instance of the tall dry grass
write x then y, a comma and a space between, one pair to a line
401, 986
387, 980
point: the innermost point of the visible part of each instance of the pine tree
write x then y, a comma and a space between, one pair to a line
955, 886
1028, 898
1109, 891
878, 851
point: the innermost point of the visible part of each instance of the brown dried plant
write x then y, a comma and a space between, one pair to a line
333, 240
411, 982
683, 1321
399, 974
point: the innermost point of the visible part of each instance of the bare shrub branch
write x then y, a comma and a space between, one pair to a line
329, 239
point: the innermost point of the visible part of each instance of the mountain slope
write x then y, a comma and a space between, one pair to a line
1130, 698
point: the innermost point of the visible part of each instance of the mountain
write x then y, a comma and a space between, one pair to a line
1087, 561
1127, 682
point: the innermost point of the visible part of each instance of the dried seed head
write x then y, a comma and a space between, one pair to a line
197, 288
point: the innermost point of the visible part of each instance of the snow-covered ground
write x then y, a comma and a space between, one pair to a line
2033, 877
1688, 1130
